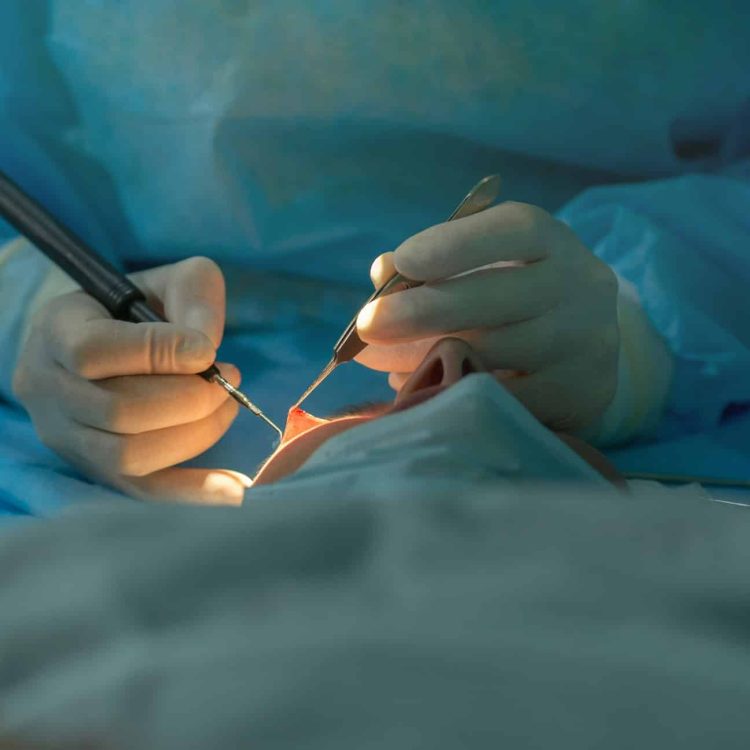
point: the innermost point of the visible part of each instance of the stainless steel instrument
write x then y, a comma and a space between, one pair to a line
480, 197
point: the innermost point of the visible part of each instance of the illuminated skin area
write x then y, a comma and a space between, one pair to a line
445, 364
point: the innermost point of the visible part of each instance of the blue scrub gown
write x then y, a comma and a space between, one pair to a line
294, 141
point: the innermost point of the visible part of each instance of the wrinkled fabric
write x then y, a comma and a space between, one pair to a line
501, 616
684, 244
472, 432
296, 139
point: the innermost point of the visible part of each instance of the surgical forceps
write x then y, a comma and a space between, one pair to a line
349, 345
123, 299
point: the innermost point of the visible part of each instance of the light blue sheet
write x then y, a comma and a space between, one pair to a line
306, 139
720, 453
498, 615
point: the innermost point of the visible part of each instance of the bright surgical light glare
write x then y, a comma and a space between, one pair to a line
227, 486
381, 269
366, 314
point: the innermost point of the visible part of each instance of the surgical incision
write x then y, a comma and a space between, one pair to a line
299, 421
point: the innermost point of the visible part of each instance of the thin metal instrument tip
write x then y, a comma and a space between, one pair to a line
324, 373
242, 399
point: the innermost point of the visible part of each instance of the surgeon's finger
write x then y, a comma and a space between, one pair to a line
141, 403
84, 342
191, 485
400, 357
138, 455
508, 232
192, 294
484, 299
396, 380
382, 269
527, 345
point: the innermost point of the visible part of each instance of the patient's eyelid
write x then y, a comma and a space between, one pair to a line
262, 464
365, 408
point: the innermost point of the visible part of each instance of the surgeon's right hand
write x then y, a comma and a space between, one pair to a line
121, 401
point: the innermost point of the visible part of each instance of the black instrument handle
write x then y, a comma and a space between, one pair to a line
94, 274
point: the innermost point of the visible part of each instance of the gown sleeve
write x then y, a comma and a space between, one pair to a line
684, 246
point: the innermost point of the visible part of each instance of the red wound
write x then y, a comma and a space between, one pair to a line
299, 421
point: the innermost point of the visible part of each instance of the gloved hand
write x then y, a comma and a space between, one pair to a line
121, 400
536, 304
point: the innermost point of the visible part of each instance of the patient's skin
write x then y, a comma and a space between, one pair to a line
447, 362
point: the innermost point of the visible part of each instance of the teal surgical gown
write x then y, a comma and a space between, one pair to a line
293, 141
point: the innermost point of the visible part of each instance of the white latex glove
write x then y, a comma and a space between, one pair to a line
543, 315
121, 401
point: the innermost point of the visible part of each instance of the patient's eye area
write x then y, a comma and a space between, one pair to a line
299, 421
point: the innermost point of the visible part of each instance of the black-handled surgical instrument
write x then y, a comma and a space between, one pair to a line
349, 345
97, 277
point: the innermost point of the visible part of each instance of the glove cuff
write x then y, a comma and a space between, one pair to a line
644, 377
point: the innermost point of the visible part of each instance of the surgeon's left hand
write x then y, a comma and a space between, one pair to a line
517, 284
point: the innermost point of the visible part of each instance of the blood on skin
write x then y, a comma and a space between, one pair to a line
299, 421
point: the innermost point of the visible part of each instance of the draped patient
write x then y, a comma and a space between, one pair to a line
450, 361
120, 401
